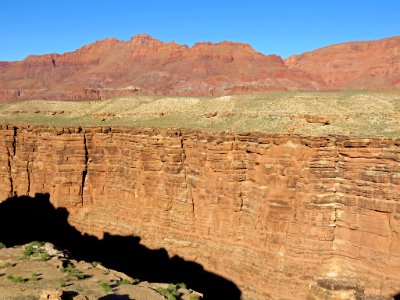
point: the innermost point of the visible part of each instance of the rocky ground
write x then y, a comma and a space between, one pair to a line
39, 271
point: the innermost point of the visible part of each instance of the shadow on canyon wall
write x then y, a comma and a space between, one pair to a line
25, 219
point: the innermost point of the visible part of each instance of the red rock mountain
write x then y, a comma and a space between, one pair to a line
146, 66
354, 65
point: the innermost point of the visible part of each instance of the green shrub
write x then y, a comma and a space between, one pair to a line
128, 281
170, 292
2, 245
7, 265
34, 277
181, 285
194, 297
125, 282
96, 263
15, 279
37, 244
171, 287
70, 269
35, 249
80, 275
106, 287
44, 256
63, 283
171, 297
28, 251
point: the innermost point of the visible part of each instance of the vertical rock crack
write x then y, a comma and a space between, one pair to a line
185, 174
28, 172
10, 158
9, 172
85, 167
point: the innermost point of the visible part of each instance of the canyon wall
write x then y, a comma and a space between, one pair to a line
272, 213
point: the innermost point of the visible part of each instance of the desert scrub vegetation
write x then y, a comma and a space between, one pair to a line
16, 279
73, 272
177, 292
96, 263
63, 283
35, 249
7, 265
172, 291
128, 282
106, 287
34, 277
2, 245
350, 112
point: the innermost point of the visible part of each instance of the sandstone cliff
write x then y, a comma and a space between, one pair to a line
146, 66
273, 213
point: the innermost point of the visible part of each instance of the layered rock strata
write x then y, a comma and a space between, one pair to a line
273, 213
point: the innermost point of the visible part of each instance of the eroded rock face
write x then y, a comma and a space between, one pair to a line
146, 66
273, 213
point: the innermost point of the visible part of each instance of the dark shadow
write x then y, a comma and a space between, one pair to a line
69, 295
115, 297
396, 297
25, 219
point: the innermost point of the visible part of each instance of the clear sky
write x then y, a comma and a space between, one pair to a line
279, 27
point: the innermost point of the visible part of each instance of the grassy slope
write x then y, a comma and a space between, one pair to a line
349, 113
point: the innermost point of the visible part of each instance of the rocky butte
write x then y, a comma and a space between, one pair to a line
147, 66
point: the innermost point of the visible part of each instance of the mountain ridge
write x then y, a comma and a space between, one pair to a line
147, 66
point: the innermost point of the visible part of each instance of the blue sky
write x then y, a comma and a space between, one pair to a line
280, 27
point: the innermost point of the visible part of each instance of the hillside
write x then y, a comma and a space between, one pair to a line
368, 114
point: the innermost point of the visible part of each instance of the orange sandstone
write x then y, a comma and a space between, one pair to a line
272, 213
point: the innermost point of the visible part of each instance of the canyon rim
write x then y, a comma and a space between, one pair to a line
283, 200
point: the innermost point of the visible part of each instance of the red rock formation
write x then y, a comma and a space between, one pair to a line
355, 65
273, 213
146, 66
